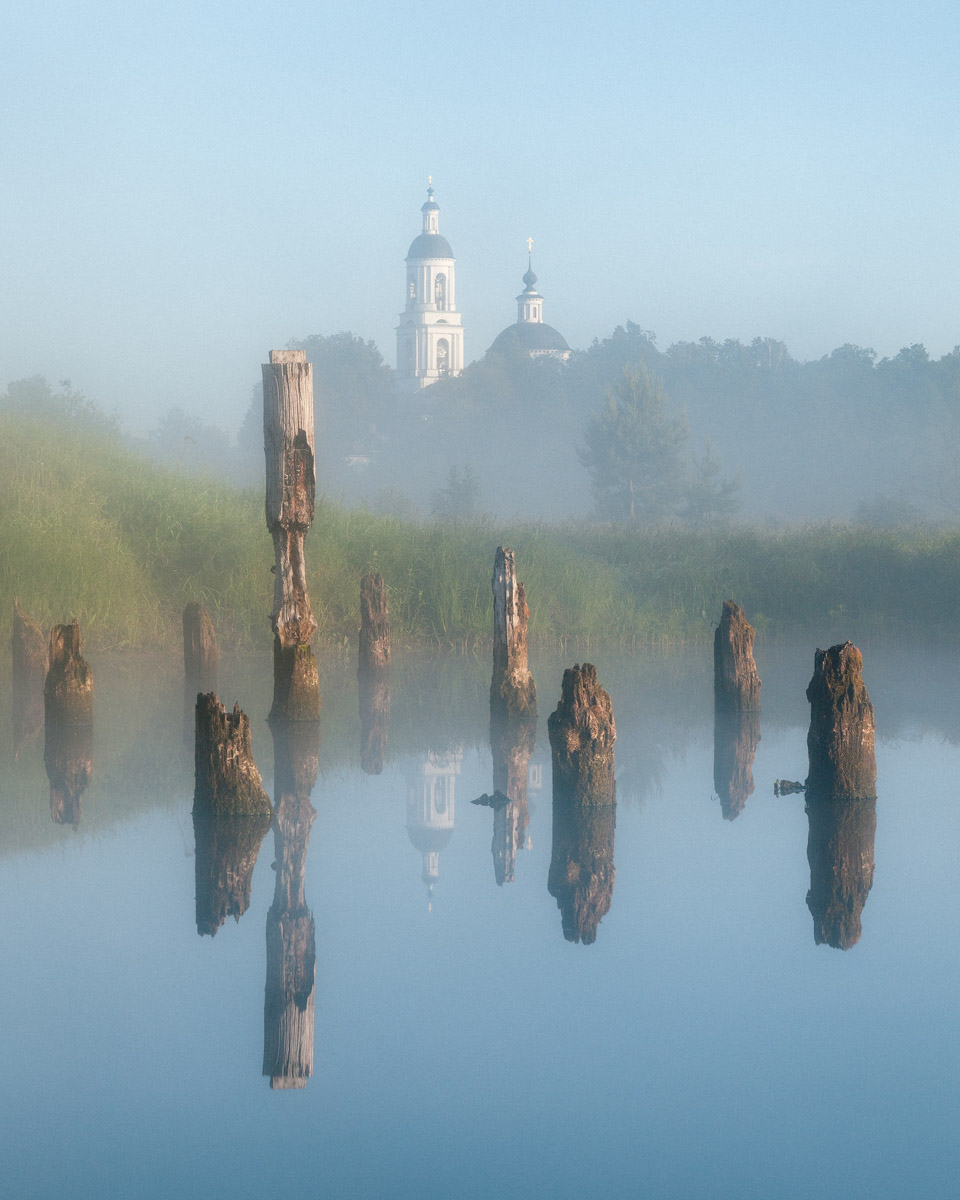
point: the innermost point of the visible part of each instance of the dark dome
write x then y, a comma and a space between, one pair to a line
430, 245
529, 336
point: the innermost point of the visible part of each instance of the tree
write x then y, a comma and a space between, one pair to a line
633, 450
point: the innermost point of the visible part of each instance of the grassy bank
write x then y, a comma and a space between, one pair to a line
88, 529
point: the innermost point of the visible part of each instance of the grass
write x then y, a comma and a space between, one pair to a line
92, 531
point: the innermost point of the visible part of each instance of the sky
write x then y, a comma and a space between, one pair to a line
187, 185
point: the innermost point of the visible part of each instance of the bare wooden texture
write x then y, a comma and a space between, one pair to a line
288, 1005
511, 741
582, 870
840, 742
512, 687
227, 848
68, 690
374, 699
28, 650
735, 680
227, 781
582, 737
201, 655
736, 736
374, 648
68, 759
840, 853
288, 441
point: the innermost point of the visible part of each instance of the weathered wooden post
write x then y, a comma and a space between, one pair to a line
736, 683
288, 440
840, 743
582, 737
374, 647
28, 649
512, 689
68, 689
288, 1003
201, 655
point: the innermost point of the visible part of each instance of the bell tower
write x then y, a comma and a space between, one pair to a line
430, 333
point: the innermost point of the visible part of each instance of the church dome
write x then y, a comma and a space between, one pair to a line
429, 245
533, 337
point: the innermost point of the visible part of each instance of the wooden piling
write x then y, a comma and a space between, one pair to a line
288, 439
512, 688
735, 680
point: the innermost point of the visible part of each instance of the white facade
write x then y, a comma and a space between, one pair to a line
430, 333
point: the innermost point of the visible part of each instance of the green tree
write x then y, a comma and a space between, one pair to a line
633, 449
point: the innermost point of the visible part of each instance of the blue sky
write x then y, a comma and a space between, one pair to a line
186, 185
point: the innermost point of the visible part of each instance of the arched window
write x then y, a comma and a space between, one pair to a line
443, 357
440, 292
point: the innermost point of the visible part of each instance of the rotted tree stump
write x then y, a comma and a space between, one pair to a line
288, 439
68, 690
582, 737
201, 654
374, 648
227, 780
28, 649
582, 870
840, 743
840, 851
512, 688
736, 684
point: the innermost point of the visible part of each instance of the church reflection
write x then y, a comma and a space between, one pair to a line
288, 1002
840, 851
736, 735
430, 809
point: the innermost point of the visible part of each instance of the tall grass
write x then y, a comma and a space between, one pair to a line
90, 530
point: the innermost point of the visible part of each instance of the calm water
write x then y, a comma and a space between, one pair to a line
702, 1046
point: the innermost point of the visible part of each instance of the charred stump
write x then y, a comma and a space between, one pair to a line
28, 648
840, 742
736, 684
288, 439
374, 700
582, 870
68, 689
512, 689
582, 737
840, 848
374, 647
68, 760
288, 1005
227, 780
736, 736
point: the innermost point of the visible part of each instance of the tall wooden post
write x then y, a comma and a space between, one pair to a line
288, 442
512, 689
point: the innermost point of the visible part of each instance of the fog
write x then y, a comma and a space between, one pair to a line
185, 190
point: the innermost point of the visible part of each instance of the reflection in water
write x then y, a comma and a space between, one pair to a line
581, 866
68, 758
736, 736
226, 853
840, 852
374, 693
288, 1001
511, 741
430, 796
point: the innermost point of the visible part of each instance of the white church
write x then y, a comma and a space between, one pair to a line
430, 333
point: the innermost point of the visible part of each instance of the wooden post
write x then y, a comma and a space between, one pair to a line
512, 688
840, 853
28, 648
288, 1003
227, 781
288, 440
201, 655
840, 742
582, 737
736, 683
374, 649
68, 690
